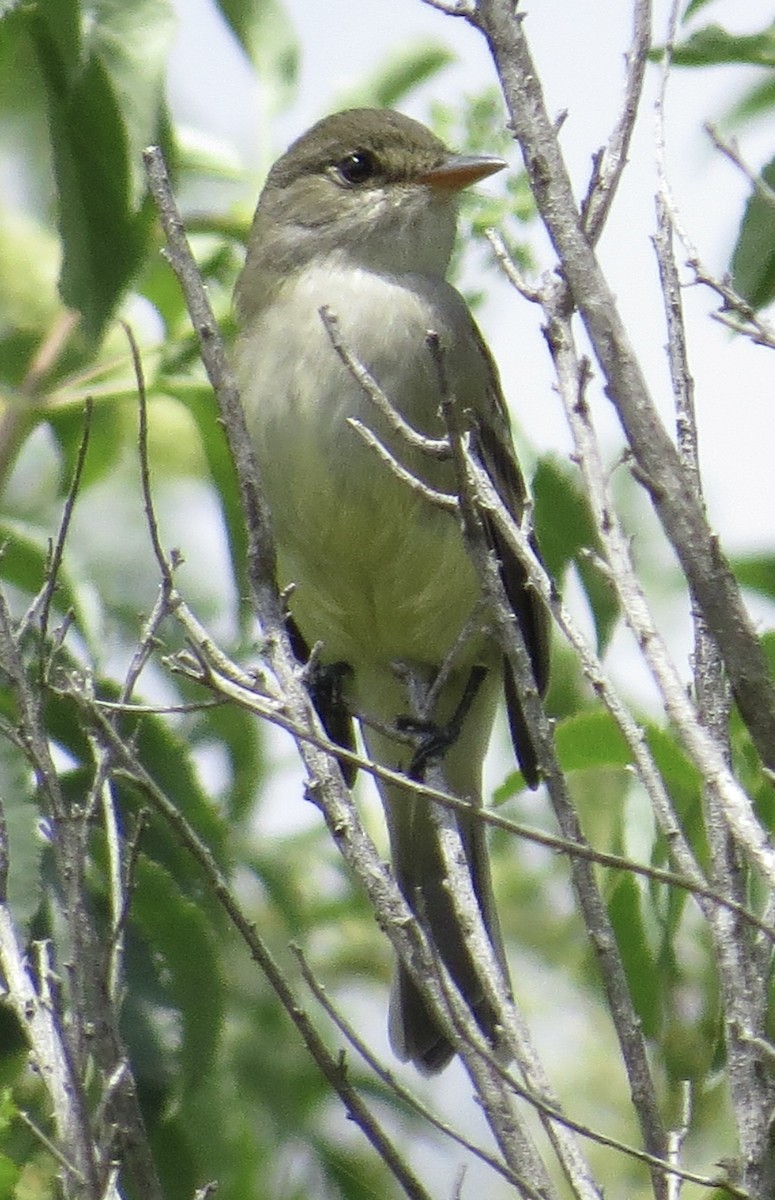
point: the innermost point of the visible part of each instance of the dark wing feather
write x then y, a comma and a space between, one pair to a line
494, 445
326, 692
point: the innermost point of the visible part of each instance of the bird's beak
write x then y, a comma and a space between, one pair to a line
460, 170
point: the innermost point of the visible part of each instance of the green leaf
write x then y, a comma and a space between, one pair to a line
65, 727
183, 942
25, 841
107, 437
694, 7
24, 556
566, 533
713, 45
405, 70
24, 132
28, 271
201, 404
557, 495
10, 1175
92, 173
753, 259
586, 741
24, 562
684, 784
756, 101
103, 104
756, 572
590, 740
132, 43
266, 35
63, 22
624, 909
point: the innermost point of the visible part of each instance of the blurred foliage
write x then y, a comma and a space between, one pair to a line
227, 1091
753, 259
752, 265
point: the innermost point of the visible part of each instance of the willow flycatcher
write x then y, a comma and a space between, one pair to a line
359, 217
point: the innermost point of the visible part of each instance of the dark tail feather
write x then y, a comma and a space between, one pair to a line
414, 1034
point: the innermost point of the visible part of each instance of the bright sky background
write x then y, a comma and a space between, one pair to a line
579, 51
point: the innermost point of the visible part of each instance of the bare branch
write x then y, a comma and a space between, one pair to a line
611, 161
590, 901
697, 740
730, 149
438, 499
509, 267
332, 1068
325, 784
403, 1093
453, 8
49, 1053
433, 447
709, 575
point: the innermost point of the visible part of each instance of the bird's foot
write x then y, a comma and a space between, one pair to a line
435, 740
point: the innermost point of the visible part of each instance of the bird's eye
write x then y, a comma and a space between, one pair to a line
356, 167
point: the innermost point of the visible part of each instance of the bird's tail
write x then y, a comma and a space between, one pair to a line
414, 1034
417, 861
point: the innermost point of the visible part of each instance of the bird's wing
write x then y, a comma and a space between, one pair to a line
326, 692
494, 445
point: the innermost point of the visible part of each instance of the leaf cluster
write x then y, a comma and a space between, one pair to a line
752, 267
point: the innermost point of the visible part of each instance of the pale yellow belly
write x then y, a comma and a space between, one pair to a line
379, 573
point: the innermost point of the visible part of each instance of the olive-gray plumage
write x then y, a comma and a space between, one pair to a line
359, 216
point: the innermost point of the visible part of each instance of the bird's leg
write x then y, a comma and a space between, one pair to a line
434, 739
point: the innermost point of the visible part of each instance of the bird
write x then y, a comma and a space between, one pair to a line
358, 218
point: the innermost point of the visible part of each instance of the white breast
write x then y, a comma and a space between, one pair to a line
373, 563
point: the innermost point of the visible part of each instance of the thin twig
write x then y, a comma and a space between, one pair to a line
509, 267
326, 786
731, 150
145, 466
569, 1154
403, 1093
590, 901
594, 1135
433, 447
611, 161
39, 610
50, 1056
442, 500
454, 8
50, 1146
331, 1068
736, 311
235, 686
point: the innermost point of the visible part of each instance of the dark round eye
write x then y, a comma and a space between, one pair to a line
356, 167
